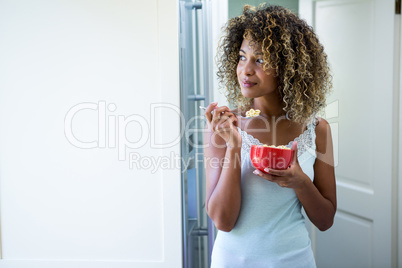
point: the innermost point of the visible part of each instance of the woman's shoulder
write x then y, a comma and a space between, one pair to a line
320, 124
323, 134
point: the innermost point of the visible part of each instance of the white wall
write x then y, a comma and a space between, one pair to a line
71, 203
219, 18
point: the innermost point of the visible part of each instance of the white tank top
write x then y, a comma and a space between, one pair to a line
270, 230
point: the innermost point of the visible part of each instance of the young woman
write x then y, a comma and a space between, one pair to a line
272, 61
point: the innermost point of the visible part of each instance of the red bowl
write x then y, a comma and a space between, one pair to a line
269, 157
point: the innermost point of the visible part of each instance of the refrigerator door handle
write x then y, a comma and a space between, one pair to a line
200, 232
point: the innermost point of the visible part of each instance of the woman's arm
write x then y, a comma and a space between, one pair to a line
223, 182
319, 198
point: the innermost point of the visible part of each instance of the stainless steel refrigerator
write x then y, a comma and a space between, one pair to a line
195, 83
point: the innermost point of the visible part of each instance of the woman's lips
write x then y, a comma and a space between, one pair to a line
248, 84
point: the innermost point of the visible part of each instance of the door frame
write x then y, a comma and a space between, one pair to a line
397, 155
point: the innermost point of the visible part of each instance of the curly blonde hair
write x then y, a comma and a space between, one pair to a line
290, 47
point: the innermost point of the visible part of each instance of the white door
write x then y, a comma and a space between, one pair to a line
89, 134
358, 36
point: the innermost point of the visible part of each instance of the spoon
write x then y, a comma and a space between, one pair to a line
204, 108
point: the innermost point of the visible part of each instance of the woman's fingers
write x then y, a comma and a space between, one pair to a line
227, 123
264, 175
220, 117
221, 121
208, 111
218, 112
294, 148
234, 119
277, 172
225, 117
280, 180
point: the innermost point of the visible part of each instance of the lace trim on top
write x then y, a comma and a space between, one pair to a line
305, 142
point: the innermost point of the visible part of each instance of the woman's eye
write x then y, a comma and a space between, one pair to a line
241, 57
260, 61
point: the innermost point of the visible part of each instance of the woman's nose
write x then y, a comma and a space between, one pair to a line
249, 68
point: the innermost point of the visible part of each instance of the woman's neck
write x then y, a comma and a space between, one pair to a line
270, 107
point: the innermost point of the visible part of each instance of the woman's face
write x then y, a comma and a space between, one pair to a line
253, 81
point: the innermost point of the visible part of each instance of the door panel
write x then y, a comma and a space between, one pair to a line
358, 38
63, 205
353, 247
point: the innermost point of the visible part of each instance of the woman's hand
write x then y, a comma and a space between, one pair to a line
223, 123
292, 177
